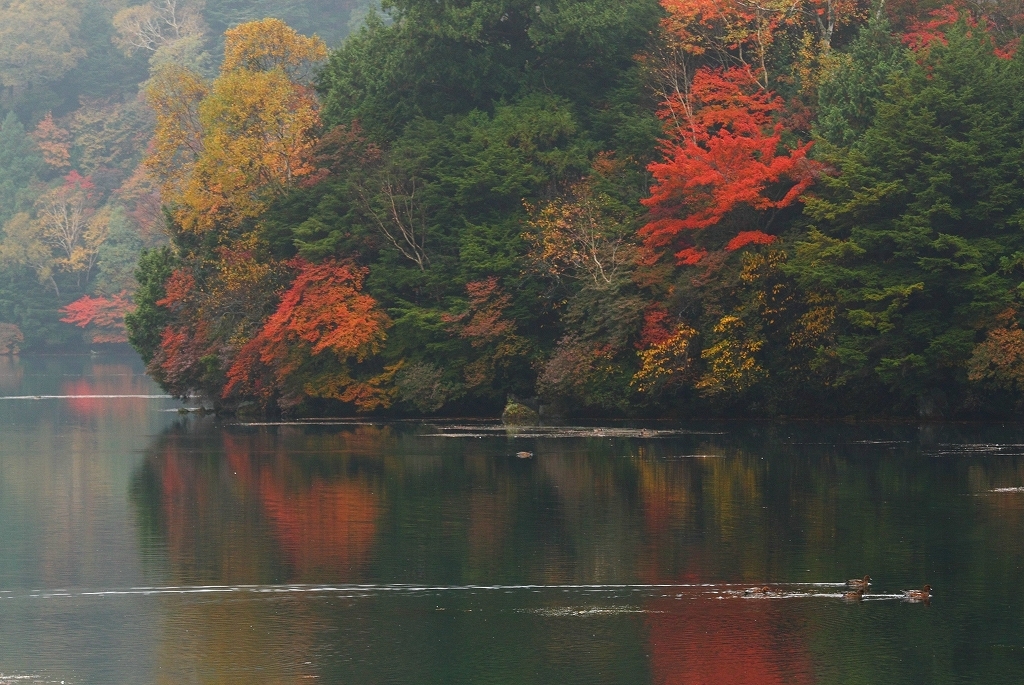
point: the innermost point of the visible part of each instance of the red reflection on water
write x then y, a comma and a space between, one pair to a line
703, 641
696, 638
321, 525
106, 379
328, 526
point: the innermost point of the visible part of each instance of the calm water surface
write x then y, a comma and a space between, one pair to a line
141, 546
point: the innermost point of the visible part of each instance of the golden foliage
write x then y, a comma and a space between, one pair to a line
577, 237
109, 134
732, 366
772, 296
815, 328
246, 279
174, 93
224, 150
271, 44
378, 392
665, 360
23, 245
38, 40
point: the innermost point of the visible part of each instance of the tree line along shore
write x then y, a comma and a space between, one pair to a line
607, 207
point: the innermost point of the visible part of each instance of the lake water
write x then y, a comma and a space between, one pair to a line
141, 546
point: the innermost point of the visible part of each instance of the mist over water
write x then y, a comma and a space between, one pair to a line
138, 545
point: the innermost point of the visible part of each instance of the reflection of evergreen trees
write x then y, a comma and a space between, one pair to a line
379, 504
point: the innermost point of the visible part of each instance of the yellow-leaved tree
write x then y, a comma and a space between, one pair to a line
223, 150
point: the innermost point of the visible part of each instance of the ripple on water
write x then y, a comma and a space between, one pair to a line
821, 590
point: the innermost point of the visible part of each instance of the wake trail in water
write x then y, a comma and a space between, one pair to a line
721, 590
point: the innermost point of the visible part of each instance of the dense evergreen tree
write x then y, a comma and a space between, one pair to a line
918, 236
20, 161
436, 59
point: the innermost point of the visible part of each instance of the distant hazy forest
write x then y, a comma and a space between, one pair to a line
76, 205
603, 207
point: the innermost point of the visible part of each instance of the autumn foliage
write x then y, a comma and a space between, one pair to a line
11, 338
726, 152
323, 313
104, 314
54, 142
790, 222
224, 149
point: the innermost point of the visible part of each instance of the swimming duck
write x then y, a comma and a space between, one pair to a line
859, 583
853, 595
524, 455
757, 590
922, 595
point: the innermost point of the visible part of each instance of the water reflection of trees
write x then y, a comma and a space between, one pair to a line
105, 392
259, 506
713, 642
383, 504
12, 373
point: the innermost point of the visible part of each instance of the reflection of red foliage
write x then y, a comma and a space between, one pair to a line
322, 526
107, 379
723, 642
85, 405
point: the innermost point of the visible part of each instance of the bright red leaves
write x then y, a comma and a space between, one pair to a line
726, 152
105, 315
323, 310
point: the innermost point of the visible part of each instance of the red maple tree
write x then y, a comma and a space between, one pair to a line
105, 315
727, 152
323, 310
923, 33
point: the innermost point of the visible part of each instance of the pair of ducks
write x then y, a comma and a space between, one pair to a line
860, 585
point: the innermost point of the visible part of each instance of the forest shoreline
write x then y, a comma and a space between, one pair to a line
619, 207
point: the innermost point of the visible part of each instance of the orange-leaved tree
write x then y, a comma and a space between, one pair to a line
104, 314
54, 142
725, 152
214, 304
734, 154
323, 323
223, 150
